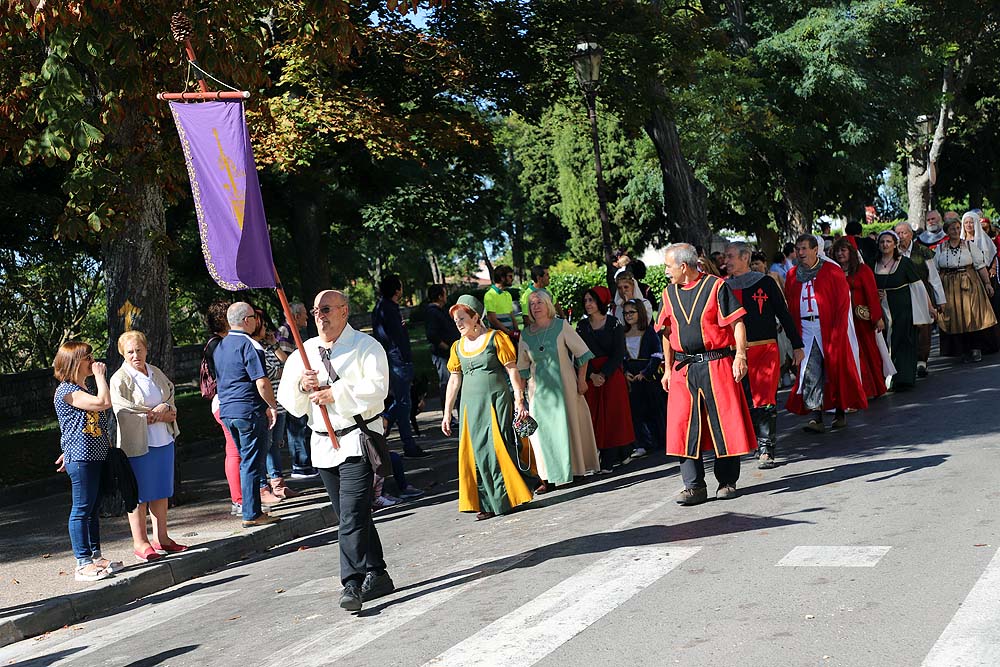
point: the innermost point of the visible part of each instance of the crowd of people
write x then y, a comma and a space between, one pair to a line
537, 401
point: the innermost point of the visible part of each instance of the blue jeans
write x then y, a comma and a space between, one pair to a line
297, 432
398, 412
84, 518
250, 436
274, 438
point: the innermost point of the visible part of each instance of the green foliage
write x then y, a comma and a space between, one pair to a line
657, 279
568, 287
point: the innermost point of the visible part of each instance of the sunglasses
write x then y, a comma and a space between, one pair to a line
325, 310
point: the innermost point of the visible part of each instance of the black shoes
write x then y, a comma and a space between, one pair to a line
416, 453
375, 586
350, 599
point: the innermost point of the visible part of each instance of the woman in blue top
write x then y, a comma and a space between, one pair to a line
83, 422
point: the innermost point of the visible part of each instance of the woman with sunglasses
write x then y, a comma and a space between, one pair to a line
643, 357
83, 426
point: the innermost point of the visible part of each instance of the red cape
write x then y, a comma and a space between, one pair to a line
843, 388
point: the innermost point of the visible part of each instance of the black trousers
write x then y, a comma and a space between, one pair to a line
349, 486
727, 471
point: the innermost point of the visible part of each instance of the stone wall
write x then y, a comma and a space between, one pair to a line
28, 395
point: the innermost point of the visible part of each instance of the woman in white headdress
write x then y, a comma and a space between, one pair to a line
967, 322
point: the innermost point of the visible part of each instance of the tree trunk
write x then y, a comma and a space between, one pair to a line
800, 209
311, 247
918, 181
432, 261
136, 279
686, 197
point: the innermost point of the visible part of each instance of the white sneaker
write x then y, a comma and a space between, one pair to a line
639, 452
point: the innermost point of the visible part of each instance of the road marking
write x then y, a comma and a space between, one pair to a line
833, 557
972, 638
134, 621
352, 633
536, 629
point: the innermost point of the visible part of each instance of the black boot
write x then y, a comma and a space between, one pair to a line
766, 429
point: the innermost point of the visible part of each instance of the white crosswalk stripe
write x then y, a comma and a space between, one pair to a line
330, 643
139, 620
531, 632
833, 556
972, 638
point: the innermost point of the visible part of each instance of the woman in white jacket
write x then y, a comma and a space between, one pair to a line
143, 401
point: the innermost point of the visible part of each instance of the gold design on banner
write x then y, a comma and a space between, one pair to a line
200, 212
237, 195
129, 311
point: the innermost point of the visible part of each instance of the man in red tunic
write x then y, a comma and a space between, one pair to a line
705, 355
819, 300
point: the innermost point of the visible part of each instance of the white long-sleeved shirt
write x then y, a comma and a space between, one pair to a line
933, 277
360, 363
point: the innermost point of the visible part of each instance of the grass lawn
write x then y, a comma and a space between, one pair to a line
31, 446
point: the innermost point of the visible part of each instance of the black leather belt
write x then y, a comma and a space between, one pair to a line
681, 360
341, 432
810, 318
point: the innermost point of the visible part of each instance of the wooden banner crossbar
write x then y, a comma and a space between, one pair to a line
205, 96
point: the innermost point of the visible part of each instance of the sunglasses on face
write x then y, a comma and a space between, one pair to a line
325, 310
630, 312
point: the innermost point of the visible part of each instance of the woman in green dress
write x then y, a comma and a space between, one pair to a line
553, 357
893, 276
490, 480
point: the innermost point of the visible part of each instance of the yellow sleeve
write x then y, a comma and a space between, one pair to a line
454, 365
505, 349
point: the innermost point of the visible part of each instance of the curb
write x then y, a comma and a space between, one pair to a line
126, 587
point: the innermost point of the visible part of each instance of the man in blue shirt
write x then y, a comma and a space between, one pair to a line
441, 333
389, 330
246, 404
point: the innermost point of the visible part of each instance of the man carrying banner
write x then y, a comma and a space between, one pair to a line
351, 380
705, 359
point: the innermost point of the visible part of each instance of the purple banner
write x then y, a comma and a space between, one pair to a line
226, 191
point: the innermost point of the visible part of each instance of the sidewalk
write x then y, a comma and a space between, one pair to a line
38, 592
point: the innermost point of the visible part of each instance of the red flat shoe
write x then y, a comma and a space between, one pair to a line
170, 548
482, 516
147, 556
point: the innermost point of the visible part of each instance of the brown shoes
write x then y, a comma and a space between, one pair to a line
281, 491
726, 492
689, 497
814, 426
268, 497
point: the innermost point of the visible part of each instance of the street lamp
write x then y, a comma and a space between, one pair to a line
586, 60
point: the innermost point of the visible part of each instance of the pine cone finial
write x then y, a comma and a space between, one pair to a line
181, 27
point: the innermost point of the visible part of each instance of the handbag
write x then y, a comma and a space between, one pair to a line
374, 448
863, 312
525, 426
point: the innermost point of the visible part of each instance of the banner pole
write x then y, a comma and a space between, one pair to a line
302, 352
181, 27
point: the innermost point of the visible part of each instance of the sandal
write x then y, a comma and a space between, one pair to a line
111, 566
482, 516
542, 488
91, 572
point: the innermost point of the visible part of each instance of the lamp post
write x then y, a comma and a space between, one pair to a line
587, 65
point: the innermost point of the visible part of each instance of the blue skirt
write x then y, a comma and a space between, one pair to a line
154, 473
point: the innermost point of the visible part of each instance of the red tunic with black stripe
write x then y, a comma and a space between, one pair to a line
706, 408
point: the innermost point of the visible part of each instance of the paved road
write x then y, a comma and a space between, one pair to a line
874, 546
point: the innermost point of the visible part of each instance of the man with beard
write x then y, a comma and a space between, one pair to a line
830, 373
933, 233
765, 306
